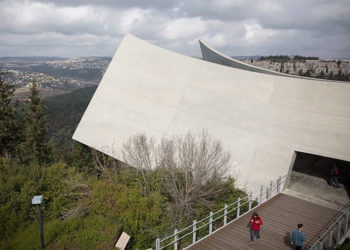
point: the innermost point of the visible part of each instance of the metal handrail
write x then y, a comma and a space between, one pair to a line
274, 186
197, 222
336, 225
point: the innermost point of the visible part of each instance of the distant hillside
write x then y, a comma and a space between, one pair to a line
83, 74
65, 112
53, 75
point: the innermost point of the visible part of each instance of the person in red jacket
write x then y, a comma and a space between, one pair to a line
255, 222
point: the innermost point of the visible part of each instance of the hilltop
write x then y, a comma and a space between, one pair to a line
53, 75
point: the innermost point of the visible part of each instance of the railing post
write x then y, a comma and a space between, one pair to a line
270, 189
267, 193
346, 226
211, 223
225, 215
238, 206
279, 181
330, 239
175, 239
194, 235
338, 232
320, 245
261, 195
250, 200
157, 244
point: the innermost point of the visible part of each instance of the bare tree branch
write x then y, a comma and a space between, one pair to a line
140, 153
105, 164
194, 167
77, 188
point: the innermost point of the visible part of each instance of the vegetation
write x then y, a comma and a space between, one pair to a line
344, 246
64, 113
90, 198
303, 58
276, 58
34, 148
279, 58
192, 169
7, 119
83, 74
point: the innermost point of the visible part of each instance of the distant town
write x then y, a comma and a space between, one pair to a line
61, 75
305, 66
52, 75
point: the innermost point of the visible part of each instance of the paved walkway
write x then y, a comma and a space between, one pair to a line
280, 215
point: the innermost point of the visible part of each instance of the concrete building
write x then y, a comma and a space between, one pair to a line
318, 70
288, 68
262, 117
333, 67
345, 67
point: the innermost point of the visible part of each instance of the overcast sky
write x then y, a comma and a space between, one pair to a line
70, 28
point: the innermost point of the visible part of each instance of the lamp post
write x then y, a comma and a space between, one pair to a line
37, 200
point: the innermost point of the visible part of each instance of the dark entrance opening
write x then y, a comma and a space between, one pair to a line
310, 179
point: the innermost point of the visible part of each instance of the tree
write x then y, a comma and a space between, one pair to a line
193, 167
81, 157
140, 152
340, 75
35, 147
104, 165
322, 74
307, 73
8, 123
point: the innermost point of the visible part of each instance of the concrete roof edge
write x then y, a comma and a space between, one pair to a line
262, 69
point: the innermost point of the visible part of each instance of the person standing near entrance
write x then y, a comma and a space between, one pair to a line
334, 176
298, 237
255, 222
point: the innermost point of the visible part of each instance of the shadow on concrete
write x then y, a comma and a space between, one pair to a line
286, 240
321, 167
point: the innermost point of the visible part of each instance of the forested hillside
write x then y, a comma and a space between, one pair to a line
91, 75
89, 198
64, 113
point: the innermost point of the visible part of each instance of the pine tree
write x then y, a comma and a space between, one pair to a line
35, 147
7, 119
322, 74
82, 158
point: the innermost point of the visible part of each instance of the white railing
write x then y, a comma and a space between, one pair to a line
335, 233
183, 236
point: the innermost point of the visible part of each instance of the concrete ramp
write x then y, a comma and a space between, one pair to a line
317, 190
280, 215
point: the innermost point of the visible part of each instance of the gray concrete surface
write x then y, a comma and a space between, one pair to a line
317, 190
261, 119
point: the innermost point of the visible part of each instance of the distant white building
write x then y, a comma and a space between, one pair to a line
318, 70
289, 68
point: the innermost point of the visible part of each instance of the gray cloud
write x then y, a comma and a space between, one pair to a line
236, 27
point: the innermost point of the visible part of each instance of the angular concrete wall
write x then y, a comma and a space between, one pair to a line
262, 119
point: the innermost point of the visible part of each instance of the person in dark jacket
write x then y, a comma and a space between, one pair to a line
298, 237
255, 222
334, 176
